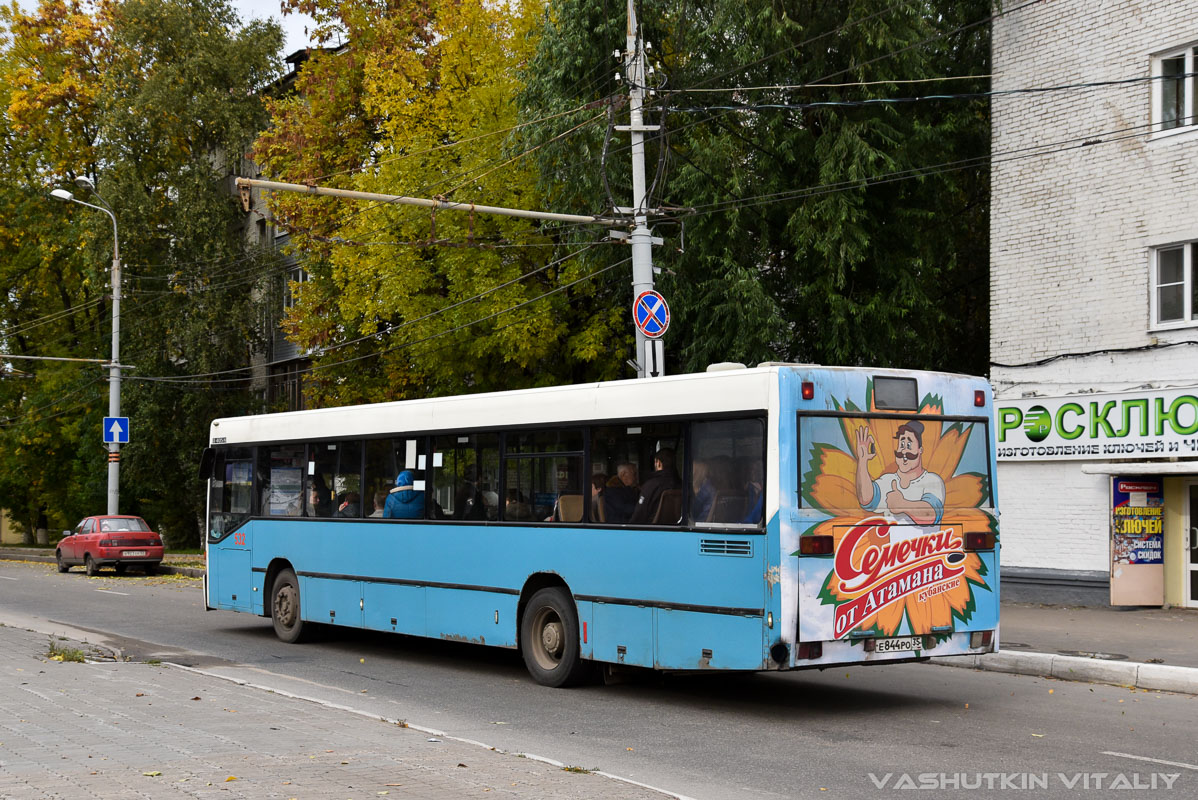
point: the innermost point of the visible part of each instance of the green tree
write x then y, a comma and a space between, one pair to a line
404, 302
812, 232
155, 101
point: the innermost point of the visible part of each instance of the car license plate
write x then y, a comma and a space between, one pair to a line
132, 553
904, 644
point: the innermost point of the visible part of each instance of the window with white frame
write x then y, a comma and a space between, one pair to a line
1174, 303
1174, 90
296, 276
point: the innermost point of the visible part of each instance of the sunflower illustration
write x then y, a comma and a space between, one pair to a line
829, 486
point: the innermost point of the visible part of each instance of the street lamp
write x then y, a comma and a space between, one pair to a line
114, 368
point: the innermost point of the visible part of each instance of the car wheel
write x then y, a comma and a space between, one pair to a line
285, 608
89, 564
119, 569
62, 565
549, 639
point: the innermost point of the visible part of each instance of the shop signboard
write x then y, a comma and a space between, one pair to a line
1137, 540
1140, 425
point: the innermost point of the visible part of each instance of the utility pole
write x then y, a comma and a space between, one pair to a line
650, 352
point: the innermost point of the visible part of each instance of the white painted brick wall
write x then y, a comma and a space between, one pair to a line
1071, 236
1053, 516
1071, 230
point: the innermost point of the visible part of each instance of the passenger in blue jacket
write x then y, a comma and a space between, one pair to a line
404, 502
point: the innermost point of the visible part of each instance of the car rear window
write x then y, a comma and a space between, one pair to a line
123, 525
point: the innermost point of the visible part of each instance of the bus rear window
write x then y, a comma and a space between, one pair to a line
907, 468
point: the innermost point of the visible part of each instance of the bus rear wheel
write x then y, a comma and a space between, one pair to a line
549, 639
285, 608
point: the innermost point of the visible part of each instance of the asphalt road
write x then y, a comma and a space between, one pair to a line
856, 732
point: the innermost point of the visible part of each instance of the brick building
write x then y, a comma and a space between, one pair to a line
1094, 299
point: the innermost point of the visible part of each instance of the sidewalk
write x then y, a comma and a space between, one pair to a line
109, 729
1148, 648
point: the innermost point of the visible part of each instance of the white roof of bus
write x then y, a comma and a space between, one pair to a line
700, 393
730, 390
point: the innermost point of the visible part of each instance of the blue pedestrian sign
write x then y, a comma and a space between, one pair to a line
651, 314
116, 430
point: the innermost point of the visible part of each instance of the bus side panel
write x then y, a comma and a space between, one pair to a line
230, 577
689, 640
473, 616
622, 634
332, 600
399, 609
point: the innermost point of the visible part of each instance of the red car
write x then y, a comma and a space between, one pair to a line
117, 541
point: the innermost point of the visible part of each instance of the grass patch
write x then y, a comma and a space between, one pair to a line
578, 770
154, 662
59, 653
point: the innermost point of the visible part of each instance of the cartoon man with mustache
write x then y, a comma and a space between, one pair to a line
910, 491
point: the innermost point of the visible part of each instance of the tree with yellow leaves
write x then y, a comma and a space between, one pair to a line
404, 302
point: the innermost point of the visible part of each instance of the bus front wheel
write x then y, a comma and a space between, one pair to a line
549, 638
285, 608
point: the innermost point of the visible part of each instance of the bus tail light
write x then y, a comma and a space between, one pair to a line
979, 398
978, 541
808, 390
815, 545
811, 650
981, 638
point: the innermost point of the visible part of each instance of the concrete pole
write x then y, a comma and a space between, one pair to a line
641, 239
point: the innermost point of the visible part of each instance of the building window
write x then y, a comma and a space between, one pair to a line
1174, 90
296, 276
1173, 286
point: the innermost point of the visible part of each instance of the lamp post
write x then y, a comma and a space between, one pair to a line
114, 368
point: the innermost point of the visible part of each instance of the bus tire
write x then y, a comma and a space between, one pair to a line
549, 638
285, 608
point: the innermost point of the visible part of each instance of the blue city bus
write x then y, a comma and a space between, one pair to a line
781, 517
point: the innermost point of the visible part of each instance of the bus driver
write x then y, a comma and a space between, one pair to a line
910, 491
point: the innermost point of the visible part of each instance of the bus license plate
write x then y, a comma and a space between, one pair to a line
905, 644
132, 553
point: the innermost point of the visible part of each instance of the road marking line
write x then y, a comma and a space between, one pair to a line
1153, 760
5, 577
110, 591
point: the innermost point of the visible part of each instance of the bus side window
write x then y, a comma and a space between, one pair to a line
636, 492
465, 470
387, 460
727, 486
319, 480
540, 467
280, 476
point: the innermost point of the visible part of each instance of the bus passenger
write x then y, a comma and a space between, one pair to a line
404, 502
468, 500
380, 500
664, 478
598, 484
621, 495
351, 505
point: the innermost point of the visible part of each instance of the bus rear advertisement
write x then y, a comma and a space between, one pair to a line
775, 518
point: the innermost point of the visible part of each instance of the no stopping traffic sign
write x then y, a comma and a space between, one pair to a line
651, 314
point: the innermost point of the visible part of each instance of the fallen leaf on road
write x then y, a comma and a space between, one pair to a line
463, 765
1038, 735
629, 749
1050, 691
151, 774
141, 694
499, 723
195, 698
230, 778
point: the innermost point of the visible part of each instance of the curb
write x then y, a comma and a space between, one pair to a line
1157, 677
